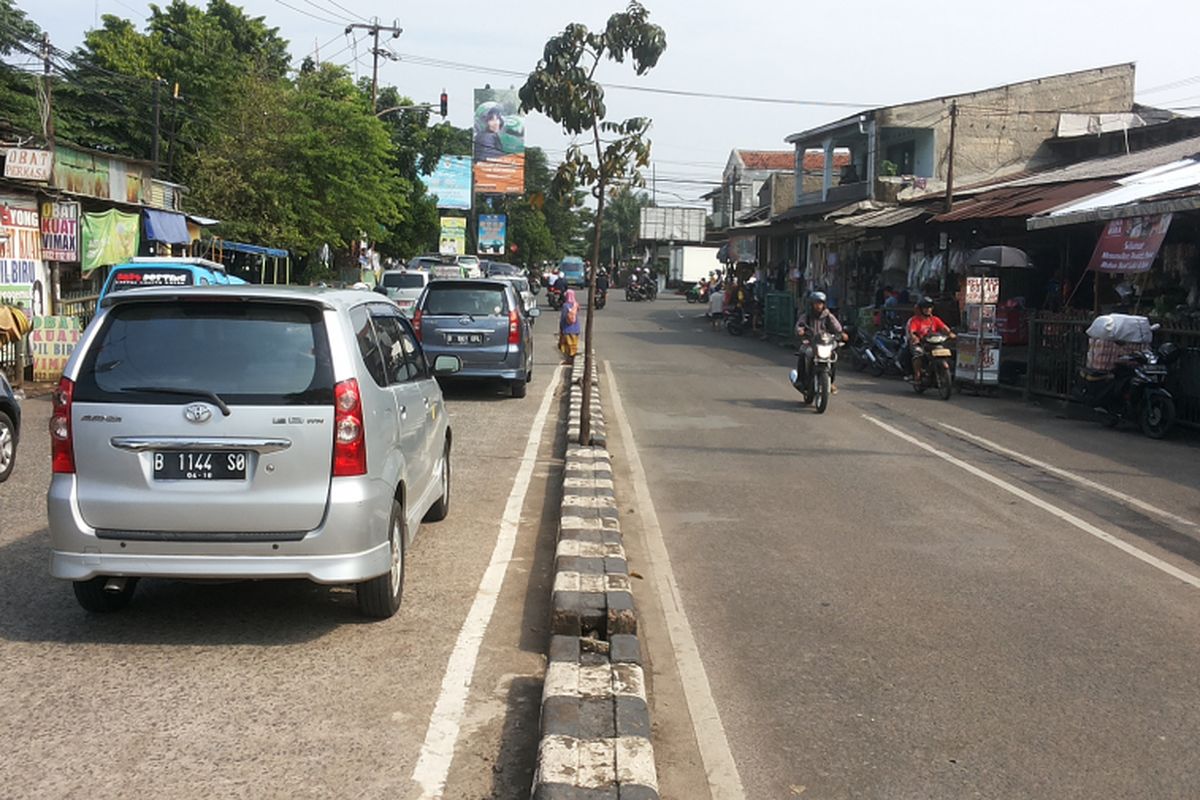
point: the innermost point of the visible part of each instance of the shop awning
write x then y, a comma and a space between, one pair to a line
253, 249
166, 227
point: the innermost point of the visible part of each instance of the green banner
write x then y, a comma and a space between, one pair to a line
109, 238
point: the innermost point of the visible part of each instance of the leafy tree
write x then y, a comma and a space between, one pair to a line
18, 38
563, 87
622, 220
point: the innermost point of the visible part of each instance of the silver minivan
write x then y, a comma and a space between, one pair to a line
274, 432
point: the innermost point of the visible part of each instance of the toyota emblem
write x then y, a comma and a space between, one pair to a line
197, 413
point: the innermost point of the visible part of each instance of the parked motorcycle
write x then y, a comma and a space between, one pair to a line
819, 384
934, 360
1133, 390
860, 348
884, 352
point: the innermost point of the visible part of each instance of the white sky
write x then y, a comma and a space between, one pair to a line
872, 52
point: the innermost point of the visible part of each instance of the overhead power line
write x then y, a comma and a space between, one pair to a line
299, 10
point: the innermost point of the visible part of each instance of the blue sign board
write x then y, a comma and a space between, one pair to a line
451, 182
491, 234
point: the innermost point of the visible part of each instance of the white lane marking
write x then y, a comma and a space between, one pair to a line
1062, 473
724, 783
1065, 516
437, 753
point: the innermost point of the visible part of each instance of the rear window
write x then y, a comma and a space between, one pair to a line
133, 277
403, 280
460, 300
250, 353
520, 284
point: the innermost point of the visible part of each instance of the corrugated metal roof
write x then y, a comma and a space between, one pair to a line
1183, 174
1022, 201
883, 217
1115, 166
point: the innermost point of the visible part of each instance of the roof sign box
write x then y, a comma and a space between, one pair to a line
673, 224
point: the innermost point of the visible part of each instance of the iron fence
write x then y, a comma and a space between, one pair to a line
1058, 349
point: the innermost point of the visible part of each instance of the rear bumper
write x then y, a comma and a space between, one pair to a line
351, 544
511, 367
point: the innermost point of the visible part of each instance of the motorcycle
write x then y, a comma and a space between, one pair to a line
934, 359
1133, 390
884, 352
638, 291
695, 294
555, 297
860, 348
601, 298
738, 321
818, 385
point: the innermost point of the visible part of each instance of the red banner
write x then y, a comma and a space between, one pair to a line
1131, 244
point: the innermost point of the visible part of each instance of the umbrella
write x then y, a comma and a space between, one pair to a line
999, 256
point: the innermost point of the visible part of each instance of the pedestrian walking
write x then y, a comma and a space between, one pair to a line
568, 328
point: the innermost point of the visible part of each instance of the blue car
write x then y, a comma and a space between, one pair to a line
166, 271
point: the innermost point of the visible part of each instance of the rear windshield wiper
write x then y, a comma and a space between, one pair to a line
213, 397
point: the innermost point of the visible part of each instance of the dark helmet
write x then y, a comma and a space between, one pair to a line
1169, 353
925, 302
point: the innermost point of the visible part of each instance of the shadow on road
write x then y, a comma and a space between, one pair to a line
512, 773
37, 608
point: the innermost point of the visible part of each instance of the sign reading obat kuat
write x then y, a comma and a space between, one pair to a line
60, 231
51, 342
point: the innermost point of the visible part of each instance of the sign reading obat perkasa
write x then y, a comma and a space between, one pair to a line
27, 165
1130, 244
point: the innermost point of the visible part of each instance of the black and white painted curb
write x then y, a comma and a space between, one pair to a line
595, 723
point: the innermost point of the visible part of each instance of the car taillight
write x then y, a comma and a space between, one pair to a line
416, 323
514, 328
349, 445
62, 442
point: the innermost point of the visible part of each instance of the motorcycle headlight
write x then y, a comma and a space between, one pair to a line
824, 350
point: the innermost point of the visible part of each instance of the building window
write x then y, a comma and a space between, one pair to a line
903, 155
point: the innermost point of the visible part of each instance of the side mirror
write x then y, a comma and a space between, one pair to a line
447, 365
381, 289
534, 312
536, 288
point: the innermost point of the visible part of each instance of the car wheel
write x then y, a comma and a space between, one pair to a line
438, 511
519, 387
8, 446
380, 596
93, 597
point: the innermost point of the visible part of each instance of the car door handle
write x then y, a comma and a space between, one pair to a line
425, 400
403, 412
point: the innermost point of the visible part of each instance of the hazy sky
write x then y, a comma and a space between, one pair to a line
871, 53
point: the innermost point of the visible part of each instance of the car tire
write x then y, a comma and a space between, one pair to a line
519, 387
8, 446
439, 510
91, 595
379, 597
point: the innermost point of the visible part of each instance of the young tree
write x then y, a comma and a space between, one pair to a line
564, 88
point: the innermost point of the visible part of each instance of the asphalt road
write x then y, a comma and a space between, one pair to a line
280, 689
877, 620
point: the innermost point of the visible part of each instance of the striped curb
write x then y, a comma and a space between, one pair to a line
595, 722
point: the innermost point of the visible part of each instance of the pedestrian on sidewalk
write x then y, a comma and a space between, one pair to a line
569, 327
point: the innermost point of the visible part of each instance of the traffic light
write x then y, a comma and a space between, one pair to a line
445, 104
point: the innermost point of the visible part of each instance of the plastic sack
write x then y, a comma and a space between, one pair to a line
1121, 328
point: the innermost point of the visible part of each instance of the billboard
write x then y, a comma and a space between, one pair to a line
499, 142
450, 182
23, 277
1131, 244
60, 231
453, 241
491, 234
673, 224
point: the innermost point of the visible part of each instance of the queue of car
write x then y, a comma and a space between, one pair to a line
209, 431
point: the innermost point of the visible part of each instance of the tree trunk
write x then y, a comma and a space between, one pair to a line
585, 413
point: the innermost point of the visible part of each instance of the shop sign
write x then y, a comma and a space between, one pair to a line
51, 342
977, 361
23, 278
60, 231
983, 290
108, 238
27, 165
1131, 244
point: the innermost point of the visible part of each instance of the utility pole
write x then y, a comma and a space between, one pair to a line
375, 29
154, 150
950, 156
48, 88
174, 130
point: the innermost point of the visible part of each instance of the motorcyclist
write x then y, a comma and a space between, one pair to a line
817, 319
922, 324
602, 280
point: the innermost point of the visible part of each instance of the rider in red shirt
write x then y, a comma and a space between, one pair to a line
923, 323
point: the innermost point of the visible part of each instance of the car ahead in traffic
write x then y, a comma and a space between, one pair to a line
484, 323
272, 433
167, 271
524, 291
403, 287
499, 269
572, 268
10, 428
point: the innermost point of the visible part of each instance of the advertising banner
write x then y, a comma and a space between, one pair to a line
23, 278
51, 342
27, 165
451, 182
1131, 244
108, 238
60, 231
983, 289
491, 234
499, 142
453, 241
